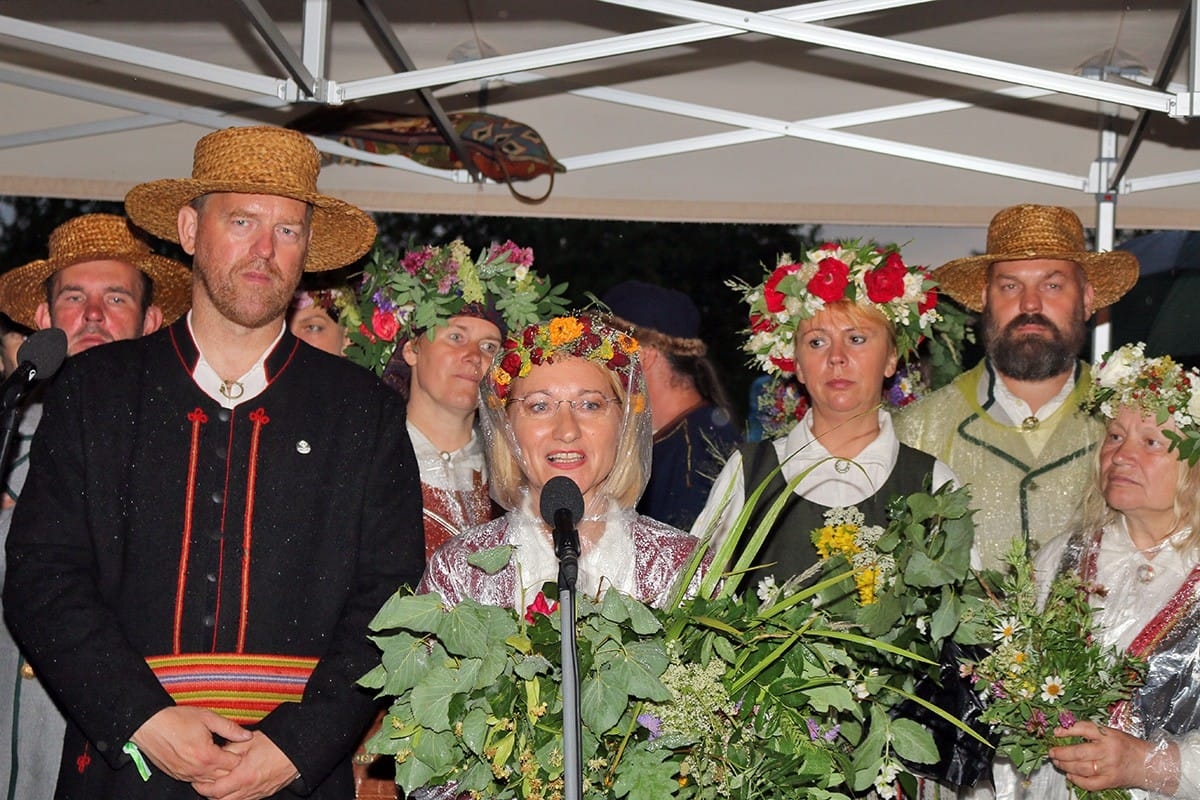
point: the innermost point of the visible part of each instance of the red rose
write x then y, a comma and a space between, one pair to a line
885, 283
761, 324
785, 365
772, 296
618, 361
384, 324
831, 280
830, 246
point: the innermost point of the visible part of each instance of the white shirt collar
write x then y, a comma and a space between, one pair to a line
245, 388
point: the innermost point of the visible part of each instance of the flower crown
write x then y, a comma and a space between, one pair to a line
421, 291
865, 274
334, 301
579, 336
1159, 387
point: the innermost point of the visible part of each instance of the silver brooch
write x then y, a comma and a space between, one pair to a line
303, 447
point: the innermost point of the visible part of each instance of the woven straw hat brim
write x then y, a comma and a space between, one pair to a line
22, 289
341, 232
1111, 274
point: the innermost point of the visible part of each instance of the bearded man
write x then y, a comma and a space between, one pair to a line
1011, 427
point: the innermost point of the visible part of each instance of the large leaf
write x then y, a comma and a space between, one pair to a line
491, 560
646, 774
430, 698
913, 742
602, 701
471, 629
414, 612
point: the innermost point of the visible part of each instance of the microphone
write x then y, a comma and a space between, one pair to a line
39, 357
562, 508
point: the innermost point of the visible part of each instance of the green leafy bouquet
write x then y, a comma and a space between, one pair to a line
722, 694
1048, 669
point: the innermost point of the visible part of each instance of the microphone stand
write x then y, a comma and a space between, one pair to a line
566, 547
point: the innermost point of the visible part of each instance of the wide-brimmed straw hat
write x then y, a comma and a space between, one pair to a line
258, 160
1024, 232
95, 237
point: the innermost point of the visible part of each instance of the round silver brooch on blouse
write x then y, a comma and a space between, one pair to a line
1145, 573
842, 466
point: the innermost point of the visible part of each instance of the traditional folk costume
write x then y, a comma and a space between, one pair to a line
163, 536
883, 470
33, 725
635, 555
1026, 472
454, 492
632, 553
1152, 610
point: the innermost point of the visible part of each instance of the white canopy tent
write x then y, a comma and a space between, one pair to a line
912, 112
901, 112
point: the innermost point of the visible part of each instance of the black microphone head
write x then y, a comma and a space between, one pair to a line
560, 492
45, 349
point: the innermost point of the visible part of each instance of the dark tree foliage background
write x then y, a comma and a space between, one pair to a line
589, 255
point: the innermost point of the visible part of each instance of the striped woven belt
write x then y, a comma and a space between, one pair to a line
242, 687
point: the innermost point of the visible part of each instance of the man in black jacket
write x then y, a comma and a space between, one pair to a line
214, 512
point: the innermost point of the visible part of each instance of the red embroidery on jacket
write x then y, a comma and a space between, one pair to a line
198, 418
259, 417
82, 762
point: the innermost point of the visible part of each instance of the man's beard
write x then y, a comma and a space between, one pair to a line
1032, 356
246, 308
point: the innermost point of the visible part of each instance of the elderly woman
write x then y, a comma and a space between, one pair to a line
840, 320
565, 398
1138, 544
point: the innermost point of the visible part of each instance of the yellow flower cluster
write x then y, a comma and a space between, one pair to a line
837, 540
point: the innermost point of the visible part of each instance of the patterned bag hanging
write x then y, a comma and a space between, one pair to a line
502, 149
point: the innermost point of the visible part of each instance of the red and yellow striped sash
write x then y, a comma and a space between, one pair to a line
242, 687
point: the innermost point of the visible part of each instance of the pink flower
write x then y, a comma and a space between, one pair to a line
540, 606
415, 260
831, 280
1066, 719
521, 256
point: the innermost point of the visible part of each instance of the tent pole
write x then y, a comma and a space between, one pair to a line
1106, 212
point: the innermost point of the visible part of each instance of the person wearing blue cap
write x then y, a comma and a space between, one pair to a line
695, 428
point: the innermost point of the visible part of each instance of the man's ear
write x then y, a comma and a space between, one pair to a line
42, 317
1089, 299
187, 222
409, 352
152, 320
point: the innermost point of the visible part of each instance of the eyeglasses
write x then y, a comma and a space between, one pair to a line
545, 407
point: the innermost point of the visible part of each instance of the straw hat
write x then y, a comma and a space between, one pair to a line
1021, 233
95, 237
258, 160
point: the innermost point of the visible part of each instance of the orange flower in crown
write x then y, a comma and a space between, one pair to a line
580, 336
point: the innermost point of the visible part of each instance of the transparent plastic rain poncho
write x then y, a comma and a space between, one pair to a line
611, 529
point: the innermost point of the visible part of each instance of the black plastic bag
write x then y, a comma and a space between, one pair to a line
963, 759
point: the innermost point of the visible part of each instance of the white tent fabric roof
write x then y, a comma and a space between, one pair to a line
909, 112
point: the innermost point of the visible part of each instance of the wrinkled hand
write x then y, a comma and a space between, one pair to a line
179, 741
1108, 759
262, 770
